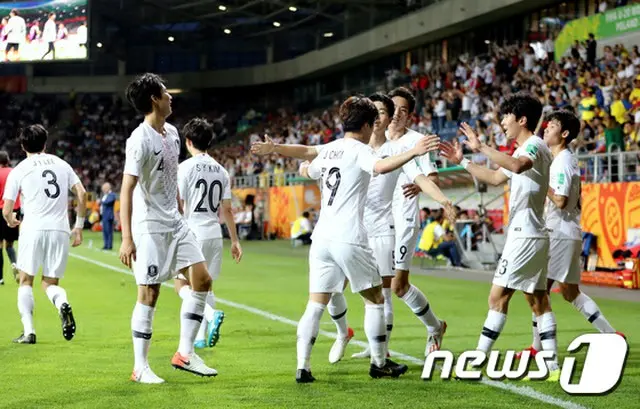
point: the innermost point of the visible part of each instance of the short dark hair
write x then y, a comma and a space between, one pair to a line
200, 132
33, 138
140, 91
568, 122
386, 100
355, 112
406, 94
305, 215
523, 104
4, 158
15, 11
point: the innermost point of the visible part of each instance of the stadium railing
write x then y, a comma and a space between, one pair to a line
613, 166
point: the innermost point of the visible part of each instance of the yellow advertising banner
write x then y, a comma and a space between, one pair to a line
287, 203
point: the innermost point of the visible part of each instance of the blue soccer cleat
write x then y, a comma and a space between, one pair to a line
199, 344
213, 329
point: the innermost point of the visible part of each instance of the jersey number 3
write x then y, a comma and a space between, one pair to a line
208, 191
54, 191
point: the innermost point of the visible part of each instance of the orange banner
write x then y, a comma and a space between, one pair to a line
287, 203
608, 210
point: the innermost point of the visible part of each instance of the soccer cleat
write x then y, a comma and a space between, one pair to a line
337, 350
16, 273
530, 349
193, 364
622, 335
304, 376
390, 369
25, 339
146, 375
68, 323
434, 341
554, 376
199, 344
213, 328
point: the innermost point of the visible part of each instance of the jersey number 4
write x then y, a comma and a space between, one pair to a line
54, 191
207, 192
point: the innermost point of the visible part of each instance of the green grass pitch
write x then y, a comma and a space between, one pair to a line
255, 357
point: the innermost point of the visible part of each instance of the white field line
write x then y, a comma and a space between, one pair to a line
518, 390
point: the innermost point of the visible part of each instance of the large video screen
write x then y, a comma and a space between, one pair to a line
44, 30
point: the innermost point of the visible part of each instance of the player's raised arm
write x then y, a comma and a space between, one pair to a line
267, 147
514, 165
453, 153
425, 145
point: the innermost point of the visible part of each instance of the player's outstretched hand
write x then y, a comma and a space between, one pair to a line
473, 142
263, 148
427, 144
450, 213
127, 252
411, 190
451, 152
77, 237
303, 170
236, 251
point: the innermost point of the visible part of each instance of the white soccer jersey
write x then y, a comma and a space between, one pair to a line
564, 180
529, 191
344, 168
44, 181
378, 219
153, 159
405, 211
203, 184
17, 30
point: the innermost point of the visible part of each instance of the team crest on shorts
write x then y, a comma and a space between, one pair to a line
152, 271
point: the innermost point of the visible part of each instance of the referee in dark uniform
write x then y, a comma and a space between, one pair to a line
8, 235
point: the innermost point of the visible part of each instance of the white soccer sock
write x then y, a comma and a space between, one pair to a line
388, 311
337, 308
536, 335
491, 330
191, 315
547, 330
208, 316
185, 292
375, 330
591, 312
141, 323
57, 295
308, 328
417, 301
25, 307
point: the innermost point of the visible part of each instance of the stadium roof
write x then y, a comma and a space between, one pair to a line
260, 20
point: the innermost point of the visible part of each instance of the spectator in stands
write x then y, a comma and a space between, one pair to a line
301, 229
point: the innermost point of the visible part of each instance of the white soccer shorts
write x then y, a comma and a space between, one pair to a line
48, 249
212, 251
161, 256
331, 262
406, 240
383, 247
523, 265
564, 261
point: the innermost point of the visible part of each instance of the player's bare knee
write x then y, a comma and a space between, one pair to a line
26, 279
200, 278
47, 281
569, 292
148, 294
373, 295
400, 285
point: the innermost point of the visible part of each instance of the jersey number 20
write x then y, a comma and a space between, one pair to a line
208, 192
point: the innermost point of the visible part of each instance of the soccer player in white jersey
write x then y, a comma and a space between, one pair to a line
563, 222
340, 249
406, 221
44, 181
156, 240
523, 265
378, 221
205, 192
